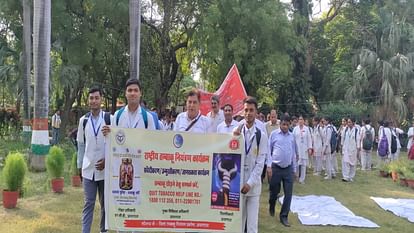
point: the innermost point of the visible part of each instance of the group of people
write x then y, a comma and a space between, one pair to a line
279, 148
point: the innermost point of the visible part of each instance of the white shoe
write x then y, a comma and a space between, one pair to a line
327, 177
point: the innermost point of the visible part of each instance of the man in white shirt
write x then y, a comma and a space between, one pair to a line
273, 123
91, 158
228, 124
367, 142
216, 115
192, 120
132, 115
256, 151
56, 121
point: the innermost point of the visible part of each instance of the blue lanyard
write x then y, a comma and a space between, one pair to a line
96, 131
247, 149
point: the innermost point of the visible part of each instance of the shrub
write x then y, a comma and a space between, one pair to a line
55, 162
14, 171
337, 111
74, 164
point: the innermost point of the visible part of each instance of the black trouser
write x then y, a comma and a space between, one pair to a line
264, 172
285, 176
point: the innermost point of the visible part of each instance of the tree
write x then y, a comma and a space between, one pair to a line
254, 35
385, 67
27, 67
41, 49
134, 37
171, 35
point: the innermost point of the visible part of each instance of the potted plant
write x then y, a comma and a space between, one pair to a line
401, 173
13, 174
394, 168
55, 162
384, 169
409, 174
76, 179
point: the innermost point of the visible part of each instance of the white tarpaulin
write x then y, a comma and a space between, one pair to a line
400, 207
324, 210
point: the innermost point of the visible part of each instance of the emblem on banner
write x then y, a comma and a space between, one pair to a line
234, 144
178, 140
120, 137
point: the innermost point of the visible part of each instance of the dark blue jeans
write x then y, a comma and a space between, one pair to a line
281, 176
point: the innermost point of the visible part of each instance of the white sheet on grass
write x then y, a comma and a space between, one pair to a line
400, 207
325, 210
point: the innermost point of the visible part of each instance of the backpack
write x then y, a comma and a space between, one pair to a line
411, 153
258, 137
368, 140
334, 139
383, 145
394, 146
107, 119
143, 112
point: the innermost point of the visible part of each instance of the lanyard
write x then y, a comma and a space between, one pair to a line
96, 130
247, 149
131, 119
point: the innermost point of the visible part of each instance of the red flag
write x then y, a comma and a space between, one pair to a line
231, 92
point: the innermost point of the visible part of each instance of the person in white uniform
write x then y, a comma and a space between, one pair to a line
367, 139
351, 146
396, 132
91, 158
256, 151
384, 131
132, 115
303, 139
410, 135
228, 124
317, 145
327, 151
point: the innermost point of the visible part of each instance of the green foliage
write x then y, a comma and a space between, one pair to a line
407, 169
254, 35
339, 110
74, 164
55, 162
399, 165
14, 171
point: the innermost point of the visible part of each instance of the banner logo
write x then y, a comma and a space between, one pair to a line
178, 141
234, 144
120, 137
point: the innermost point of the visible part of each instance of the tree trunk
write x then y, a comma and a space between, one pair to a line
27, 67
134, 37
67, 106
41, 49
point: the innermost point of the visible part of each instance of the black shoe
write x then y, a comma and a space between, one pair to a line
285, 222
272, 205
272, 211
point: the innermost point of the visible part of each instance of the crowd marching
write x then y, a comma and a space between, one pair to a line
282, 149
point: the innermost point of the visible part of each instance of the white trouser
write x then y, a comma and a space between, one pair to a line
395, 155
328, 165
250, 213
317, 164
366, 160
334, 163
302, 173
348, 170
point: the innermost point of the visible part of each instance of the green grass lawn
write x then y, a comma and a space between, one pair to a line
41, 211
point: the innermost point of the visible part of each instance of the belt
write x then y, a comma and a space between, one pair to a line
277, 166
